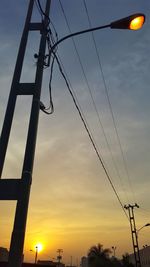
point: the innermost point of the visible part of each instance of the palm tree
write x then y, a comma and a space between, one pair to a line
99, 257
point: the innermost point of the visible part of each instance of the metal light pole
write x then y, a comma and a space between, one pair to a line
36, 254
114, 250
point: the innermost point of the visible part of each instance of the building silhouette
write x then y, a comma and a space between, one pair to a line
144, 256
4, 253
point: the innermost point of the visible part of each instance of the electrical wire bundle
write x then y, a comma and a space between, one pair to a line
51, 57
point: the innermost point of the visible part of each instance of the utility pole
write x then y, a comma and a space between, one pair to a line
130, 209
19, 189
59, 257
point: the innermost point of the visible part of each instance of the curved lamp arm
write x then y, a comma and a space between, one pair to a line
147, 224
132, 22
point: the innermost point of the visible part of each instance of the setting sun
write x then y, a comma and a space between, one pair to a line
39, 247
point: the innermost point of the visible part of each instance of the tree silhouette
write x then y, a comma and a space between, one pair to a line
116, 262
126, 261
99, 257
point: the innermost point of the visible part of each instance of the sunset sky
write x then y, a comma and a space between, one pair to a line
72, 205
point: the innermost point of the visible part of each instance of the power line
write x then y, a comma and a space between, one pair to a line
83, 120
144, 213
109, 102
42, 12
91, 95
51, 106
40, 9
49, 63
90, 136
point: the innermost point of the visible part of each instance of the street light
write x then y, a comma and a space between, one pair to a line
114, 250
132, 22
36, 254
37, 249
147, 224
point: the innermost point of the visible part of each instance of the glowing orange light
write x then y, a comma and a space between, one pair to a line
137, 23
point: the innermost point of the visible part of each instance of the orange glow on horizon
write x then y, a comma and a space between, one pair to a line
137, 23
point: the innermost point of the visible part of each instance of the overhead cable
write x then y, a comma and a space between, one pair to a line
91, 95
81, 116
109, 102
49, 59
90, 136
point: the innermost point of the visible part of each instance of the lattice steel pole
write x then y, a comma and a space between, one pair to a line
130, 209
19, 189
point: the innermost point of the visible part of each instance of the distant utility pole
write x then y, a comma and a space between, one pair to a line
19, 189
59, 257
130, 208
114, 251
